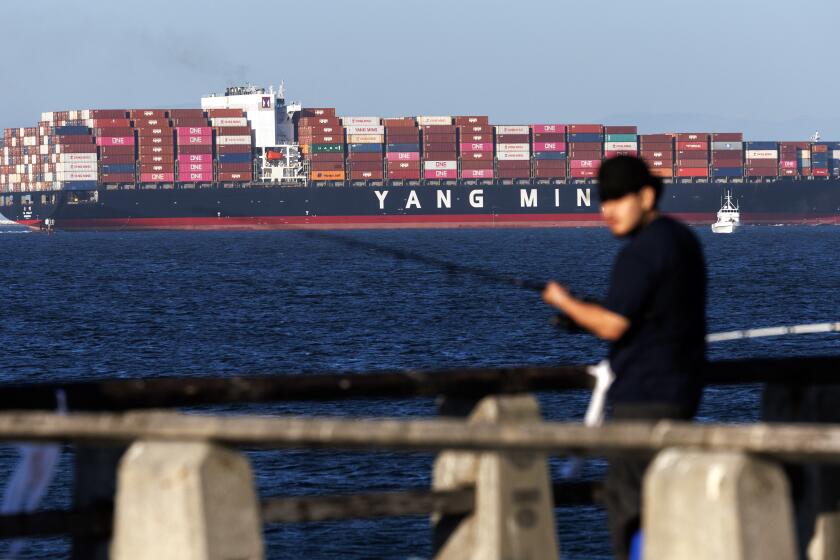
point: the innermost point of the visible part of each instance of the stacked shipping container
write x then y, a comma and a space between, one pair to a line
402, 149
365, 148
234, 145
440, 152
692, 150
620, 141
513, 151
586, 142
819, 159
549, 151
321, 138
155, 146
727, 155
475, 146
762, 159
658, 152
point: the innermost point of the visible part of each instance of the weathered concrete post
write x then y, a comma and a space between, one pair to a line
514, 507
186, 501
825, 544
726, 506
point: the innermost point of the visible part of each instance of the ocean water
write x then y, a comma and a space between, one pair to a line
100, 305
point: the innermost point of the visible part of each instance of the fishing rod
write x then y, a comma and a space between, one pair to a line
560, 320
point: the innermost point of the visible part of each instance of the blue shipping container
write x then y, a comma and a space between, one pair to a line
403, 147
727, 171
234, 158
762, 145
70, 130
365, 148
118, 168
549, 155
80, 185
586, 137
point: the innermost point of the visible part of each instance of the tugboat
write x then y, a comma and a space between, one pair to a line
728, 217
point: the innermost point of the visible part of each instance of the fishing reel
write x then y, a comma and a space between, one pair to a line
566, 323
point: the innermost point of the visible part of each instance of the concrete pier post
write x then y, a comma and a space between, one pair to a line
185, 501
726, 506
513, 516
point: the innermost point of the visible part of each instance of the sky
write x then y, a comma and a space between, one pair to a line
764, 67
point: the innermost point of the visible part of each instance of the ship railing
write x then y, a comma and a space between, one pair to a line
491, 467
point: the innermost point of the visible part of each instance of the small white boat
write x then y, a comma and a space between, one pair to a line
728, 217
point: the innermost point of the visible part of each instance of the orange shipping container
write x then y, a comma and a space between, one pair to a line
327, 175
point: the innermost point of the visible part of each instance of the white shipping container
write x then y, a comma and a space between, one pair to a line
229, 121
762, 154
81, 166
513, 148
805, 154
835, 154
365, 139
30, 141
619, 146
233, 140
49, 176
365, 129
76, 157
513, 156
360, 121
430, 121
432, 165
76, 175
44, 150
512, 129
47, 117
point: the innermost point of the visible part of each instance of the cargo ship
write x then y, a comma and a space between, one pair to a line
248, 159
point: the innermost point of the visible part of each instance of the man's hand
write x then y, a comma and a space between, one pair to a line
555, 295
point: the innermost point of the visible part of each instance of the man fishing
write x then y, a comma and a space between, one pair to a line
654, 319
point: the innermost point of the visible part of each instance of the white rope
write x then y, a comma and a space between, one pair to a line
811, 328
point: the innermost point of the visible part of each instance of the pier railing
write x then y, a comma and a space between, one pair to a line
490, 475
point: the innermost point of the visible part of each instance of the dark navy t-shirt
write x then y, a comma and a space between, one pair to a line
659, 284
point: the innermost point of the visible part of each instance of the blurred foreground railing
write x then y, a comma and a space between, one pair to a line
490, 476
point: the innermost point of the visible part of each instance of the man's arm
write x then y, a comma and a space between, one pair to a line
595, 318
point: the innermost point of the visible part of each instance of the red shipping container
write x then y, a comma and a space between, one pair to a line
364, 156
584, 164
155, 141
233, 131
326, 166
236, 176
195, 158
147, 114
471, 120
335, 138
549, 163
190, 122
79, 149
621, 130
692, 146
515, 164
585, 128
439, 129
116, 160
584, 154
115, 141
195, 141
116, 178
185, 131
307, 122
477, 147
439, 139
157, 177
116, 150
108, 113
558, 173
477, 138
195, 168
370, 175
234, 167
167, 159
763, 171
182, 149
186, 177
157, 168
549, 137
145, 124
512, 139
549, 128
402, 139
186, 113
583, 173
467, 164
440, 174
476, 129
233, 149
327, 157
727, 137
440, 147
154, 149
403, 174
485, 173
692, 163
665, 172
819, 148
692, 137
514, 174
615, 153
591, 146
113, 131
440, 156
365, 166
819, 172
400, 122
405, 165
656, 139
788, 172
474, 156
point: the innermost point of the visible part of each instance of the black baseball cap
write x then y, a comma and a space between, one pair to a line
623, 175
